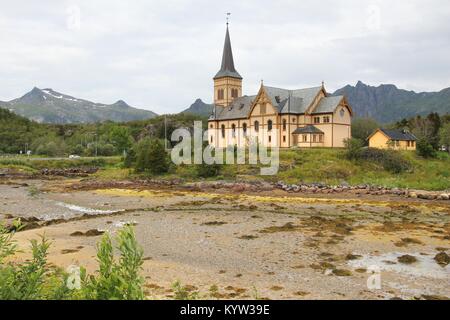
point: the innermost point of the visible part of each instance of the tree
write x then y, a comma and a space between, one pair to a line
151, 156
425, 149
354, 148
121, 138
363, 127
444, 135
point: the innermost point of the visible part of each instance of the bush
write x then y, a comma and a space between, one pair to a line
207, 170
151, 157
425, 149
391, 160
35, 279
118, 280
354, 148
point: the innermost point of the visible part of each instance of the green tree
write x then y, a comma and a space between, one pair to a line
444, 136
354, 148
151, 157
425, 149
363, 127
121, 138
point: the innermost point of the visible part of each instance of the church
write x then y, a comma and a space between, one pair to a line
274, 117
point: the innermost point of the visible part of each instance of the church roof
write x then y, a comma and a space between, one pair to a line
227, 68
283, 100
328, 104
292, 101
238, 109
307, 129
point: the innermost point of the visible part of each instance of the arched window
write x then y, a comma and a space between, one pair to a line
269, 125
234, 93
284, 124
244, 129
220, 95
256, 126
223, 131
233, 130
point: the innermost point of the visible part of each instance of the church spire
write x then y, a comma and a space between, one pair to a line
227, 69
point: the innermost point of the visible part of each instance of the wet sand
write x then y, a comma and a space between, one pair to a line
268, 245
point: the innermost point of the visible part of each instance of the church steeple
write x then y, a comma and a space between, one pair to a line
227, 68
227, 82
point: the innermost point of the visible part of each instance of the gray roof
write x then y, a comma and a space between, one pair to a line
328, 104
292, 101
399, 135
284, 101
227, 69
238, 109
307, 129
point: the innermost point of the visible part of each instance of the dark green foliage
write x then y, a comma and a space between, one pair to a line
425, 149
354, 148
391, 160
363, 127
207, 170
151, 157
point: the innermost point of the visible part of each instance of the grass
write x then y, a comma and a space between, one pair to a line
327, 166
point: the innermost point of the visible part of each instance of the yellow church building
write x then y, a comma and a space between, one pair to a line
274, 117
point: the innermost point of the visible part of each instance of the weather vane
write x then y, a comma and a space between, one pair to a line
228, 16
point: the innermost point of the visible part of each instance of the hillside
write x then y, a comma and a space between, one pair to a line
200, 108
49, 106
386, 103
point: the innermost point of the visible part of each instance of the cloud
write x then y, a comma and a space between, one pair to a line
162, 55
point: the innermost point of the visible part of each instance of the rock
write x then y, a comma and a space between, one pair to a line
412, 195
442, 259
407, 259
444, 196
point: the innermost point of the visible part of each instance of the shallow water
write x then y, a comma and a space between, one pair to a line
426, 266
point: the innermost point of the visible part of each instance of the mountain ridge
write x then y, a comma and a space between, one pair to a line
49, 106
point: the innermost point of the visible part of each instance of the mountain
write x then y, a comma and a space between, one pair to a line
49, 106
386, 103
200, 108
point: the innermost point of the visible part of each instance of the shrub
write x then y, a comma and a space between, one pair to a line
35, 279
207, 170
391, 160
354, 148
117, 279
151, 157
425, 149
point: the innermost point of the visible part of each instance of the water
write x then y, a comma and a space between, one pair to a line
426, 266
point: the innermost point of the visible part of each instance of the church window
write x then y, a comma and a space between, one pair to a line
211, 139
220, 94
321, 138
316, 119
305, 138
284, 138
244, 129
284, 124
326, 119
233, 130
342, 113
269, 125
270, 139
223, 131
256, 126
234, 93
314, 138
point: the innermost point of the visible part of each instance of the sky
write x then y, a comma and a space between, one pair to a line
162, 55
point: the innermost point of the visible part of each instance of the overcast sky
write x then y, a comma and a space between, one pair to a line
162, 55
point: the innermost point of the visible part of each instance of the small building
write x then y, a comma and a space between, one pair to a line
392, 139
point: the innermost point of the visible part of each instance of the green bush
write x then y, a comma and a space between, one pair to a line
36, 280
151, 157
425, 149
353, 148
